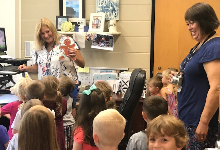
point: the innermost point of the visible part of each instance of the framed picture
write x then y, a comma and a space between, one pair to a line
97, 22
110, 8
60, 20
73, 9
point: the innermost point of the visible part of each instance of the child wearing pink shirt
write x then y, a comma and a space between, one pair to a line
12, 108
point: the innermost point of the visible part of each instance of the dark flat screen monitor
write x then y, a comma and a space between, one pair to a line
3, 45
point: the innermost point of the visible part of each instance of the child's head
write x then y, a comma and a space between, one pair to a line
51, 84
38, 130
90, 104
30, 104
35, 90
108, 128
167, 132
173, 69
154, 106
107, 92
52, 92
166, 75
105, 88
155, 85
20, 88
166, 78
67, 85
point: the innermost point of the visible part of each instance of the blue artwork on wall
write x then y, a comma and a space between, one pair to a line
109, 7
72, 8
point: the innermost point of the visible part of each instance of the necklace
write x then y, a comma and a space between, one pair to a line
51, 47
193, 52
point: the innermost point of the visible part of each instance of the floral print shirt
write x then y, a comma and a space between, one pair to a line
49, 63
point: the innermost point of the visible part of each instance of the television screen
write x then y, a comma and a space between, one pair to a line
3, 45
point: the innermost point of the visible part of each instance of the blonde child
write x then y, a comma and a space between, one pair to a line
34, 90
12, 108
107, 92
90, 104
154, 86
108, 129
153, 106
66, 87
54, 101
37, 130
13, 145
169, 92
166, 132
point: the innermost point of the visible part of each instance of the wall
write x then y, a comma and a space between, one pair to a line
132, 47
10, 20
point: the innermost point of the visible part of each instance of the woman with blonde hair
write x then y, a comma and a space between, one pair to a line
37, 130
50, 53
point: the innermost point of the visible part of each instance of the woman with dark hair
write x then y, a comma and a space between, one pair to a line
198, 97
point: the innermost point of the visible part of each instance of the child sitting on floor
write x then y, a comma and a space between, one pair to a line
108, 129
166, 132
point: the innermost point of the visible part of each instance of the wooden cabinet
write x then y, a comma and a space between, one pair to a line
172, 39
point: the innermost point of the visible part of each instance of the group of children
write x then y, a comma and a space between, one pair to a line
46, 112
161, 85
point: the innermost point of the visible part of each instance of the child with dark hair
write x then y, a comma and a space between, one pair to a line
66, 87
34, 90
91, 103
153, 106
54, 101
154, 86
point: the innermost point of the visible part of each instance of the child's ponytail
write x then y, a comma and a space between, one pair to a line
59, 103
52, 92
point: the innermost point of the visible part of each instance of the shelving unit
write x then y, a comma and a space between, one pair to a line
104, 33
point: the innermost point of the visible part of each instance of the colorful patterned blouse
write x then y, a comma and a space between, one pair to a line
49, 63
